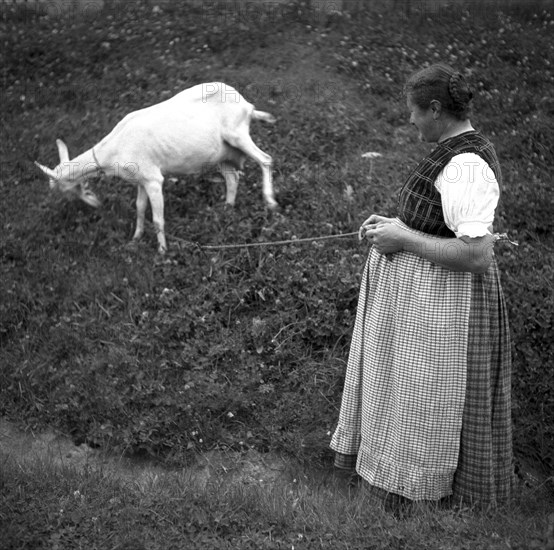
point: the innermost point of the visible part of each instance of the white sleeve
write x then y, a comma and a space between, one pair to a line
469, 193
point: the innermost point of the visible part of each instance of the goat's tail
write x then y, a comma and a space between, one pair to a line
262, 115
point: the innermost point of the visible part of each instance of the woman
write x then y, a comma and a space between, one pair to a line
425, 412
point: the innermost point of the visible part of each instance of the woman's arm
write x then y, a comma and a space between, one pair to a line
457, 254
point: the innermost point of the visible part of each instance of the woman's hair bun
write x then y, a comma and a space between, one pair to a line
459, 90
442, 83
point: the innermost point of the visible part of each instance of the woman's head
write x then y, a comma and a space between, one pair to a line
440, 83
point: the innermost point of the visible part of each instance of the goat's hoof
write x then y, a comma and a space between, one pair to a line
132, 245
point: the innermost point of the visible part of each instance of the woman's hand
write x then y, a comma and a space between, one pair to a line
384, 234
370, 222
387, 236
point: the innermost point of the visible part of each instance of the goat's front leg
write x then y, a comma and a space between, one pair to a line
154, 191
142, 201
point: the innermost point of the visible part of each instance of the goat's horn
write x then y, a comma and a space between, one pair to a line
62, 150
50, 173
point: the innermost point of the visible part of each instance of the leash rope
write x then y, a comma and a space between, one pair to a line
504, 237
196, 244
252, 245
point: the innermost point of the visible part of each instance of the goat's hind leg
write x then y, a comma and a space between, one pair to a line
231, 175
243, 141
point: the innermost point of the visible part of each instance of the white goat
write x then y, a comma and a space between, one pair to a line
206, 125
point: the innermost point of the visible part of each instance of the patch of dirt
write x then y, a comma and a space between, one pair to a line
250, 468
213, 467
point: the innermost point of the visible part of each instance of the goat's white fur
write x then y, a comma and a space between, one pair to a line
206, 125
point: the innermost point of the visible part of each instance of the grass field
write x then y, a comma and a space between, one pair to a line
243, 349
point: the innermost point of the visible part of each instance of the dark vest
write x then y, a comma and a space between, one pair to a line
419, 203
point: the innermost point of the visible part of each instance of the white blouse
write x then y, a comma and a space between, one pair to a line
469, 193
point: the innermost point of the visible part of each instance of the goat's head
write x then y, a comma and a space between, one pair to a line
70, 177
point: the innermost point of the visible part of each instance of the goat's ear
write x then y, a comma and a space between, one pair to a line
50, 173
62, 150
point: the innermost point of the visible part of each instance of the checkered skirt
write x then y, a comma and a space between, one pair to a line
425, 411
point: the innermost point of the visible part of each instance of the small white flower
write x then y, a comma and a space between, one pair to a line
348, 193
